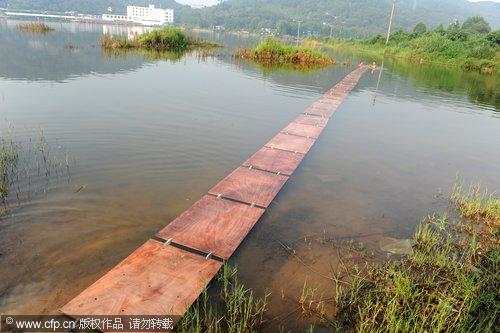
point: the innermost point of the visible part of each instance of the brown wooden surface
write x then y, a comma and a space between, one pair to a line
153, 280
251, 186
213, 225
275, 160
291, 143
303, 130
311, 120
321, 112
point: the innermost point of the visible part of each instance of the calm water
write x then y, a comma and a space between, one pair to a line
147, 138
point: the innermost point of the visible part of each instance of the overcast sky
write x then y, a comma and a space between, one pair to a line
199, 2
213, 2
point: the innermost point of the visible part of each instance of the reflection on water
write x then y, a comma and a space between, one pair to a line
481, 89
150, 137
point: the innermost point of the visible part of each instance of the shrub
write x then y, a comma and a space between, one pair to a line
477, 24
420, 28
494, 38
482, 51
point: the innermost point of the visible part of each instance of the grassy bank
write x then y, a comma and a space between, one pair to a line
38, 28
272, 52
458, 47
165, 39
448, 283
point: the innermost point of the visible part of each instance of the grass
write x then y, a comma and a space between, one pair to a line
9, 157
272, 52
37, 28
28, 167
445, 286
477, 203
240, 311
456, 48
164, 39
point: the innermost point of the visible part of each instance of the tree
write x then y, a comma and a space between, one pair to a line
477, 24
420, 28
454, 25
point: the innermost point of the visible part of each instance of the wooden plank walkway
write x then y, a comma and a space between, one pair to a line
165, 278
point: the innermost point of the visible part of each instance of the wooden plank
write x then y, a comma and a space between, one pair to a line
213, 225
291, 143
155, 279
275, 160
320, 112
311, 120
251, 186
303, 130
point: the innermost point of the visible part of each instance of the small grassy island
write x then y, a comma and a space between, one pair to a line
37, 28
161, 40
271, 52
471, 46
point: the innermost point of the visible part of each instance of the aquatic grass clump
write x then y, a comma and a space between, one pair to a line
240, 311
37, 28
273, 52
9, 157
28, 167
445, 286
164, 39
476, 202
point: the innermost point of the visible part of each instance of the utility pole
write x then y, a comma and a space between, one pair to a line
298, 32
331, 24
390, 22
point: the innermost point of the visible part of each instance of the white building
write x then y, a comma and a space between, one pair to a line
149, 16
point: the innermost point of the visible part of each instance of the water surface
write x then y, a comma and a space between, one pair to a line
149, 137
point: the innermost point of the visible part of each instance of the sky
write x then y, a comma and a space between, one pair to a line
201, 2
213, 2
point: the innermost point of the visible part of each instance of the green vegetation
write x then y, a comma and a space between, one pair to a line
446, 285
239, 312
9, 158
477, 203
37, 28
273, 52
472, 46
164, 39
27, 168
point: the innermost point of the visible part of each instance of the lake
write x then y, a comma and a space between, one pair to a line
145, 137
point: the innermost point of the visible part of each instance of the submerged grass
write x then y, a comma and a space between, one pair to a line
28, 167
164, 39
272, 52
240, 311
9, 157
38, 28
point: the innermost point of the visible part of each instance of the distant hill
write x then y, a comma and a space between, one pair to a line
356, 18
